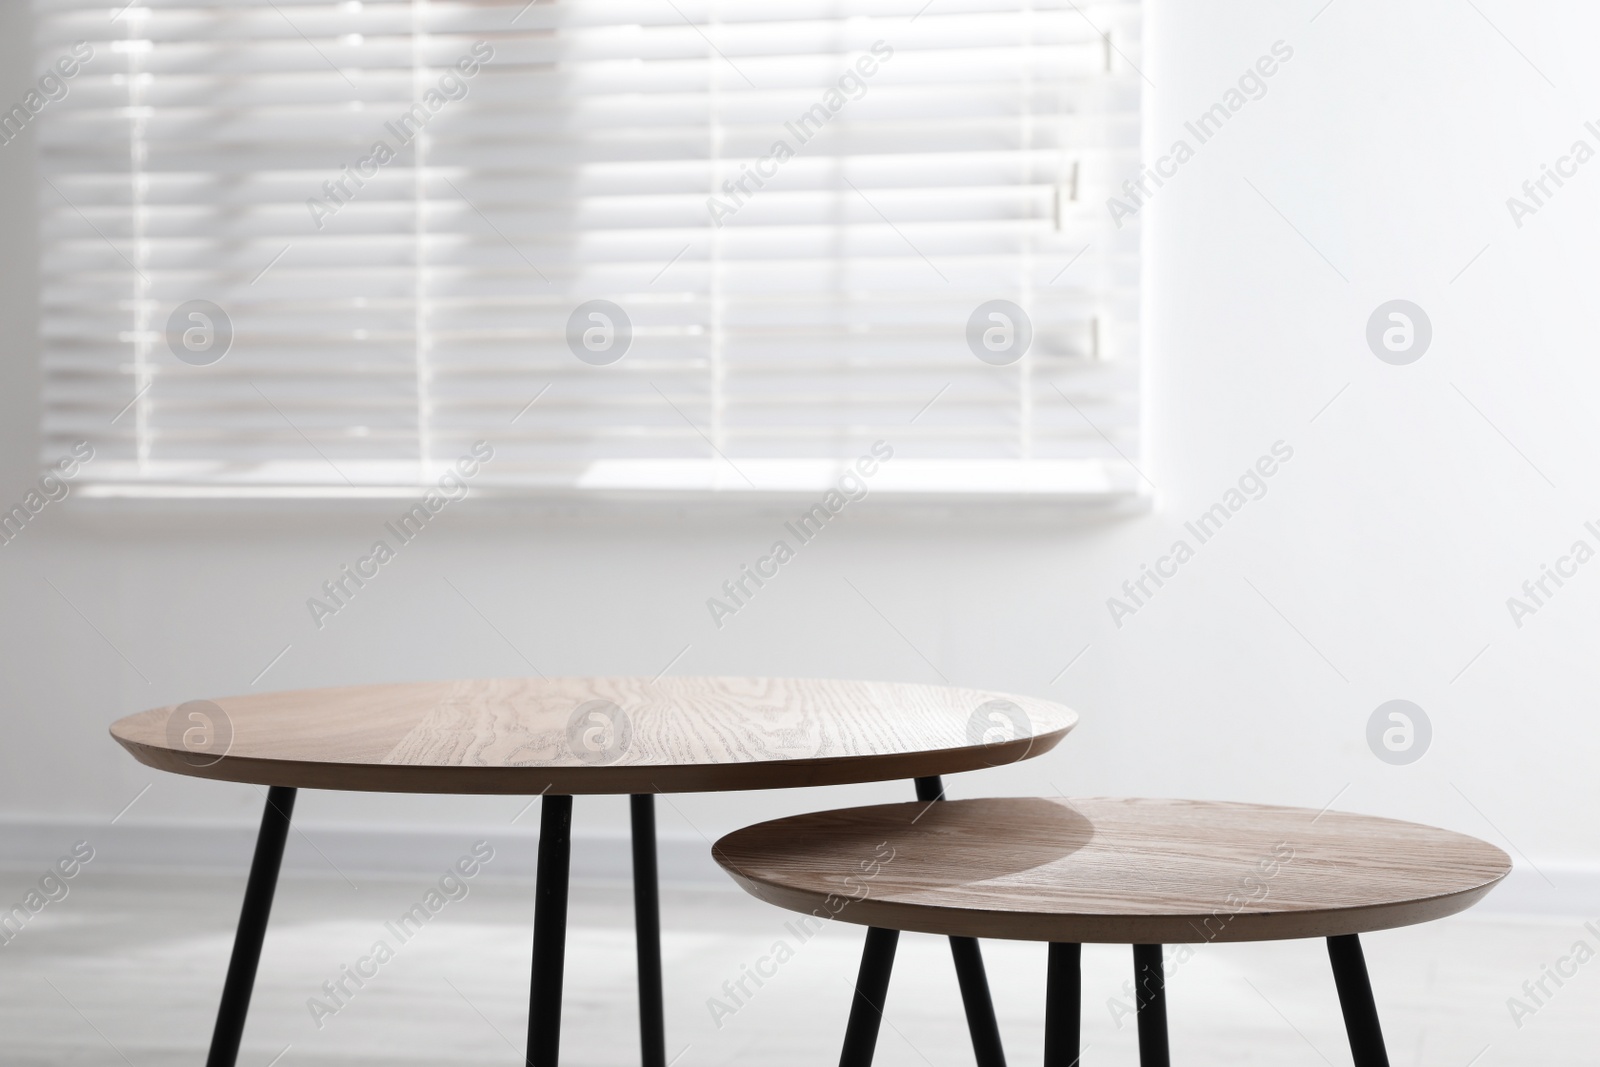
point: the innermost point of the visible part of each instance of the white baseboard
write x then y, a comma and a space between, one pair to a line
32, 845
313, 849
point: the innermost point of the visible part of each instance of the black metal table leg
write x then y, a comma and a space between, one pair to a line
981, 1022
970, 975
1151, 989
1355, 999
872, 988
1063, 998
258, 892
647, 931
549, 931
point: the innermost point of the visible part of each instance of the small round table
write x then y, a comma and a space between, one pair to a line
1111, 870
560, 737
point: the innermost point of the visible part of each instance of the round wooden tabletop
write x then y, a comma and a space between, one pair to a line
593, 735
1115, 871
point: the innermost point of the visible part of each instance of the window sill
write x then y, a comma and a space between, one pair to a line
752, 485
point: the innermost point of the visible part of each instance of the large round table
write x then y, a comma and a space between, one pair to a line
560, 737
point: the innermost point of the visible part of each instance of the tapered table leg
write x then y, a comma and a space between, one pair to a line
549, 931
970, 974
872, 989
647, 932
1063, 997
1151, 989
1355, 998
252, 930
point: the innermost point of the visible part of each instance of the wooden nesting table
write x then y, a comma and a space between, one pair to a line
561, 737
1111, 870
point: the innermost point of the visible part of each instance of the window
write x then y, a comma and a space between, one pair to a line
663, 245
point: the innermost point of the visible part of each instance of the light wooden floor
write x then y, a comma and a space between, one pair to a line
125, 972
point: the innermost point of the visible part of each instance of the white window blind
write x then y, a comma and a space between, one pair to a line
787, 307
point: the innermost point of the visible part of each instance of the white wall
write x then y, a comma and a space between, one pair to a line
1391, 541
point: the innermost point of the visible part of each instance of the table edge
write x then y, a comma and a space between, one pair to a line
598, 780
1091, 928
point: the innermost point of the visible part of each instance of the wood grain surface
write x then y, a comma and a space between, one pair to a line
593, 735
1120, 871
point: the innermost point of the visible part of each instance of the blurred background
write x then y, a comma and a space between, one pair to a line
1376, 564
